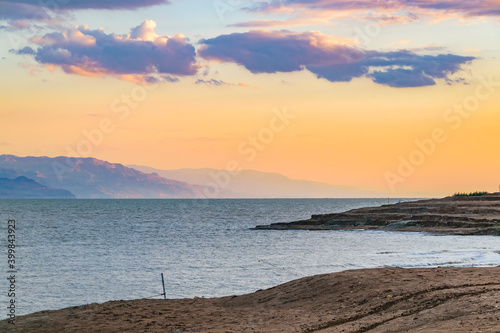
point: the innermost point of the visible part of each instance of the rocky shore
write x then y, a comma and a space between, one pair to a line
461, 215
368, 300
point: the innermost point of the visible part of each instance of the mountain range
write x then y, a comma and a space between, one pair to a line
25, 188
257, 184
93, 178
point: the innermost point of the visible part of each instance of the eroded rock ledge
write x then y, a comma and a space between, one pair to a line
474, 215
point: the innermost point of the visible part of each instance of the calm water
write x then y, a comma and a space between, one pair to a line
72, 252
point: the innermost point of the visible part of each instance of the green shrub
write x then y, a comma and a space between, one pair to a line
471, 194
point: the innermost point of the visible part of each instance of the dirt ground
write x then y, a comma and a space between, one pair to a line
368, 300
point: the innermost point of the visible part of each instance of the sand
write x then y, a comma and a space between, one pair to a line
368, 300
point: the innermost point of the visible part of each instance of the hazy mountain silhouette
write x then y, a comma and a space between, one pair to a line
93, 178
256, 184
25, 188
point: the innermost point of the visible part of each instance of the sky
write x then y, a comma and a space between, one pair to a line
399, 97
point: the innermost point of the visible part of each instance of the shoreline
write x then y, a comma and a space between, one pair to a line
475, 215
442, 299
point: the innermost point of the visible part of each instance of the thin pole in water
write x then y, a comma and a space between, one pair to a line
163, 284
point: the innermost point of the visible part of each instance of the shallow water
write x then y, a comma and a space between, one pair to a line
72, 252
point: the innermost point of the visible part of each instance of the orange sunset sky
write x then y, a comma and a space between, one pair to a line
399, 97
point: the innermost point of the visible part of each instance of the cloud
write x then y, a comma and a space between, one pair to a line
332, 58
25, 50
40, 10
136, 56
17, 11
290, 22
151, 79
211, 82
219, 83
169, 78
402, 78
19, 24
428, 47
385, 12
464, 7
264, 51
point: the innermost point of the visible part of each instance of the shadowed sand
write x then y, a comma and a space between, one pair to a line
368, 300
452, 215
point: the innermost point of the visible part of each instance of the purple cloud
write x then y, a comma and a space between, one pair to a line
263, 51
211, 82
151, 79
328, 57
94, 4
17, 11
465, 7
38, 10
304, 12
25, 50
402, 78
138, 55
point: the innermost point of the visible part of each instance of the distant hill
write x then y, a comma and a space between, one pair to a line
93, 178
25, 188
256, 184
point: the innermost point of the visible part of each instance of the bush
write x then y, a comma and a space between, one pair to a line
471, 194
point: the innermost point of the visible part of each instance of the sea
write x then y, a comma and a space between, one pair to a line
74, 252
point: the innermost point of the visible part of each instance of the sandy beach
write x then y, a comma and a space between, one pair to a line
368, 300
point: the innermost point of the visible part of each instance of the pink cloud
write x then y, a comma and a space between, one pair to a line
135, 57
307, 12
